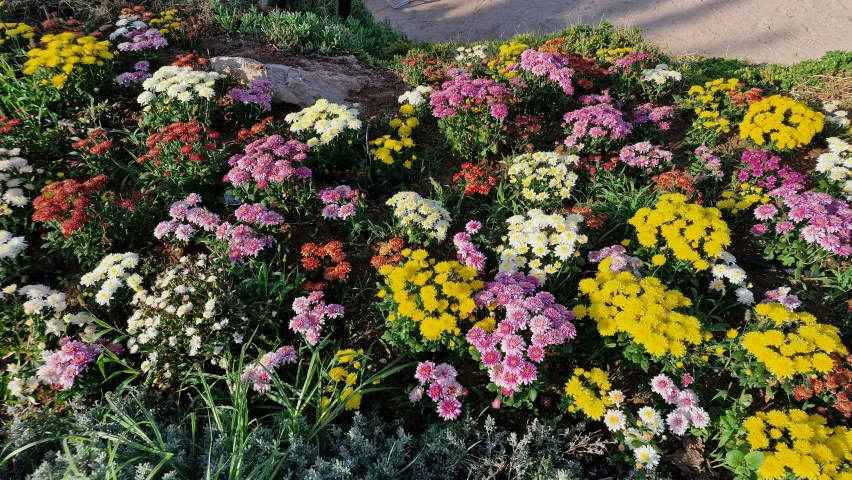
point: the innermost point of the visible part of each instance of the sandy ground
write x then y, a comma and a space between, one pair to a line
772, 31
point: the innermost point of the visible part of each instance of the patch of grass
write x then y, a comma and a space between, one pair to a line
808, 72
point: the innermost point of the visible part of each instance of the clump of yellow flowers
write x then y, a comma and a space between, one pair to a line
690, 232
11, 31
166, 22
781, 123
742, 200
610, 55
644, 309
507, 58
64, 54
427, 300
708, 101
796, 345
344, 377
588, 392
387, 146
799, 444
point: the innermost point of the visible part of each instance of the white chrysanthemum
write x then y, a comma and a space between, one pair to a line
614, 420
412, 209
647, 456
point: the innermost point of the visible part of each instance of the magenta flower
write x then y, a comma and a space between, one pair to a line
311, 315
439, 382
551, 65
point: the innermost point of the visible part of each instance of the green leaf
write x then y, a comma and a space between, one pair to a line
753, 460
735, 458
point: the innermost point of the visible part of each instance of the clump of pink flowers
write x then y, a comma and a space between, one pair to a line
710, 162
552, 65
621, 261
532, 322
340, 202
62, 367
139, 73
259, 92
782, 295
259, 374
467, 250
764, 170
595, 125
659, 116
631, 63
463, 93
439, 383
688, 412
187, 217
644, 155
268, 161
311, 314
139, 40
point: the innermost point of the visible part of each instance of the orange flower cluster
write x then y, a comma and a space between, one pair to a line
593, 220
191, 60
837, 383
389, 253
256, 130
8, 124
329, 257
677, 181
66, 202
476, 179
744, 99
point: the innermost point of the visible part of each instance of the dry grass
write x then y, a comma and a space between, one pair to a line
828, 88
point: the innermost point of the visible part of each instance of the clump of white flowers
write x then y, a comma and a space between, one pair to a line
114, 271
428, 215
12, 186
540, 244
127, 24
11, 246
323, 121
836, 165
472, 53
416, 97
180, 83
661, 74
543, 176
726, 269
41, 298
835, 115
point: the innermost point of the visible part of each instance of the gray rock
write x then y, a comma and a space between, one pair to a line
302, 85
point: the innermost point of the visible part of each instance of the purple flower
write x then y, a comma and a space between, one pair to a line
311, 314
595, 121
259, 93
644, 155
499, 110
758, 229
552, 65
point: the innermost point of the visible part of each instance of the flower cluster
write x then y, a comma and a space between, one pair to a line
708, 103
590, 392
41, 298
142, 39
595, 126
475, 178
621, 261
645, 156
543, 176
728, 270
259, 374
183, 153
764, 170
268, 164
184, 318
554, 66
836, 165
661, 74
505, 65
139, 73
340, 202
181, 83
66, 203
644, 309
742, 200
313, 257
10, 246
416, 97
239, 240
709, 163
593, 220
540, 243
835, 387
346, 359
259, 93
659, 117
835, 115
311, 314
531, 322
471, 53
690, 232
127, 23
388, 253
166, 21
96, 143
468, 251
11, 184
427, 296
12, 31
440, 384
386, 146
796, 345
798, 445
688, 411
114, 271
820, 219
676, 181
323, 121
64, 53
464, 94
62, 367
427, 215
781, 123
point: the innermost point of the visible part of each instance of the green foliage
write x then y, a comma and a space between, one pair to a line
807, 72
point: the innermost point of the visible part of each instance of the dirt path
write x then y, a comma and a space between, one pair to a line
780, 31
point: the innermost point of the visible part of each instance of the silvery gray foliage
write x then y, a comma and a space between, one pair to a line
367, 448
